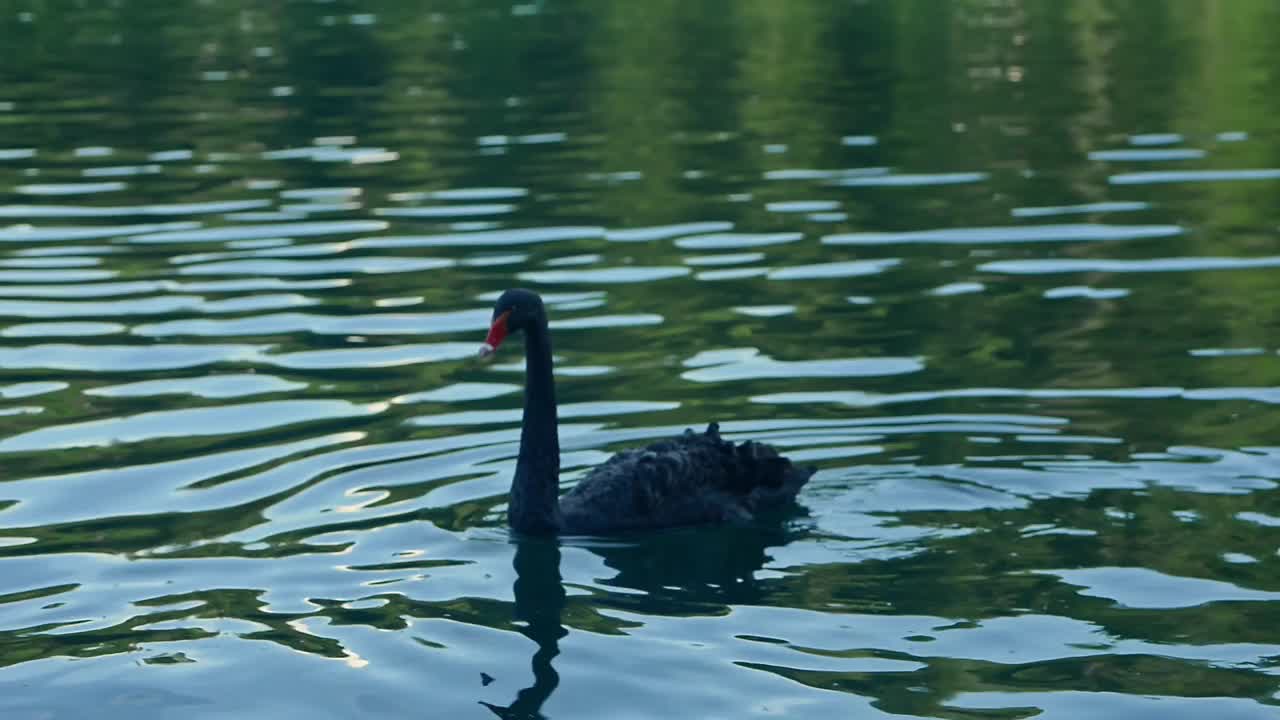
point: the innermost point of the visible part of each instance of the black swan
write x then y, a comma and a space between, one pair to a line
691, 479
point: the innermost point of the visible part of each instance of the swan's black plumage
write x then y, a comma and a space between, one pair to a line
691, 479
687, 480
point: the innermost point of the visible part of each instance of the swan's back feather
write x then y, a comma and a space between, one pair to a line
689, 479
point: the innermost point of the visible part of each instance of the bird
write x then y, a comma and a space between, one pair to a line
695, 478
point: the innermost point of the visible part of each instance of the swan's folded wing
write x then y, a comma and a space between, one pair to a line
691, 478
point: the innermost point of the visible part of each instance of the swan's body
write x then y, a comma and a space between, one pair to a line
691, 479
686, 480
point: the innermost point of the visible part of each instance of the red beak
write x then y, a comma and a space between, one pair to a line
497, 333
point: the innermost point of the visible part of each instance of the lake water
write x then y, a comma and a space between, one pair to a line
1007, 272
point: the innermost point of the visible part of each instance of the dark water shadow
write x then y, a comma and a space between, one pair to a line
689, 571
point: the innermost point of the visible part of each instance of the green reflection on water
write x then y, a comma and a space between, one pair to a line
917, 579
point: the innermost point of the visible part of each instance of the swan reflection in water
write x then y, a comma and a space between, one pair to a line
540, 600
690, 571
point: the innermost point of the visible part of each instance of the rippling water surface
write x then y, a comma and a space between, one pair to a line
1007, 273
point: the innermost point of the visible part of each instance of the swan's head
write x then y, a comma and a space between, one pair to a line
515, 310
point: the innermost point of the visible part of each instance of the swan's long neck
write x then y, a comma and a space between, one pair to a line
535, 502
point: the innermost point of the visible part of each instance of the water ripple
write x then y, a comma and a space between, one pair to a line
256, 249
95, 211
55, 276
70, 188
604, 276
750, 363
1061, 705
857, 398
1138, 587
765, 311
958, 288
722, 241
1015, 234
458, 392
607, 321
188, 422
83, 289
281, 323
61, 261
1154, 155
62, 329
122, 358
1084, 291
31, 389
802, 206
859, 140
913, 179
848, 268
255, 284
1083, 209
336, 266
158, 305
465, 194
30, 233
515, 236
724, 259
270, 230
732, 273
665, 232
211, 387
61, 250
374, 357
1154, 139
837, 174
1180, 176
446, 211
149, 488
566, 410
1175, 264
